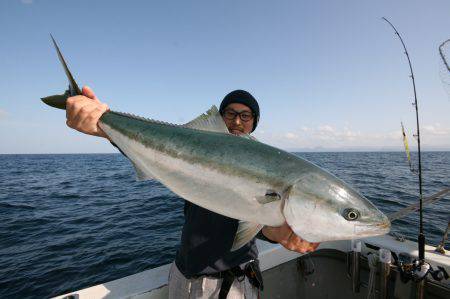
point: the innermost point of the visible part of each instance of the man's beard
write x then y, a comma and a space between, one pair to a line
237, 130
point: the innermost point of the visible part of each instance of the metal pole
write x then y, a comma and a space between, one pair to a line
440, 247
355, 270
385, 270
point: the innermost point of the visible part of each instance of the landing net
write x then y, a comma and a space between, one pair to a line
444, 53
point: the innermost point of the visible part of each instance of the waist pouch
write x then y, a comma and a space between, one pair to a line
251, 270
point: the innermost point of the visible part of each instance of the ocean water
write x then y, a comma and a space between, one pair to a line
72, 221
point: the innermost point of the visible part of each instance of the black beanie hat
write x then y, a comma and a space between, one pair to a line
241, 97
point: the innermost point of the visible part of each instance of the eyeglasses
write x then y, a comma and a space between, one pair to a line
245, 116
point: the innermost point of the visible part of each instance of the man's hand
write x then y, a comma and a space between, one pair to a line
83, 113
286, 237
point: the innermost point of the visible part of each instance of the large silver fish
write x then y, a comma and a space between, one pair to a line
238, 176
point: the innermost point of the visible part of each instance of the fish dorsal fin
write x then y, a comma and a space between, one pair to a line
144, 119
248, 136
211, 121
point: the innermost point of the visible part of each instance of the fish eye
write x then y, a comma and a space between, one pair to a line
350, 214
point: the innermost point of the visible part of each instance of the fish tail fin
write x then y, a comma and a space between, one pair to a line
59, 101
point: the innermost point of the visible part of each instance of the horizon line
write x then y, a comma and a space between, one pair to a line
290, 151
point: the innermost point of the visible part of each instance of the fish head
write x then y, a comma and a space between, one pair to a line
320, 207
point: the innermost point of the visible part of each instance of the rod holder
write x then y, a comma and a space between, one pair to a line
385, 270
355, 265
440, 248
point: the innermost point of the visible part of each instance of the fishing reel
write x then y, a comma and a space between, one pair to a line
416, 270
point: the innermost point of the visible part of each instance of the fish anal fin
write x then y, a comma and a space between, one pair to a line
245, 233
141, 174
211, 121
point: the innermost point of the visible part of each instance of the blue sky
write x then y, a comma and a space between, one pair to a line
328, 74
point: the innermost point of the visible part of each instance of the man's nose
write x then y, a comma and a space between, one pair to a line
237, 120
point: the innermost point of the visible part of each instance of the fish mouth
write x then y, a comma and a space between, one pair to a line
369, 230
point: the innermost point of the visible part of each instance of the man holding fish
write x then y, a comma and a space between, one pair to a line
204, 261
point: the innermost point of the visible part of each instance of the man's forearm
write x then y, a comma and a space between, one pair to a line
263, 237
286, 237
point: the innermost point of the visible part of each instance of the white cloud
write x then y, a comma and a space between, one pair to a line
326, 129
330, 133
328, 136
435, 130
3, 114
290, 135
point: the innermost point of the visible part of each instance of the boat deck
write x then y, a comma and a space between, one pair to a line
322, 274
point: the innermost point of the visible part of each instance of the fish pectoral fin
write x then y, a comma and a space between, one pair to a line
245, 233
141, 175
210, 121
270, 196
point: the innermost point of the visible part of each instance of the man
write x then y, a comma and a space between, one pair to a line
204, 266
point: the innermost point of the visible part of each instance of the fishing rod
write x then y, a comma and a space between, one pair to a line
421, 237
416, 270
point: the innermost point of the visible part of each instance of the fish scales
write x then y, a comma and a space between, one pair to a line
224, 152
199, 156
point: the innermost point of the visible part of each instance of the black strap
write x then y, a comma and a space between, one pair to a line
252, 272
227, 280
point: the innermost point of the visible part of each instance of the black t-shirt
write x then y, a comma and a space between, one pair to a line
206, 241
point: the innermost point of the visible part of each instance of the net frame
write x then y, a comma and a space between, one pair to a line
444, 53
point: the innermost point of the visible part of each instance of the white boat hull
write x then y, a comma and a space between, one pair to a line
152, 284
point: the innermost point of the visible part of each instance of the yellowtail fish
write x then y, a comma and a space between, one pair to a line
239, 177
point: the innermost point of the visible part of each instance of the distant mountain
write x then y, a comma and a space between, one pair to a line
368, 149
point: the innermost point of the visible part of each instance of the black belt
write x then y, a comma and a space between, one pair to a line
251, 270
